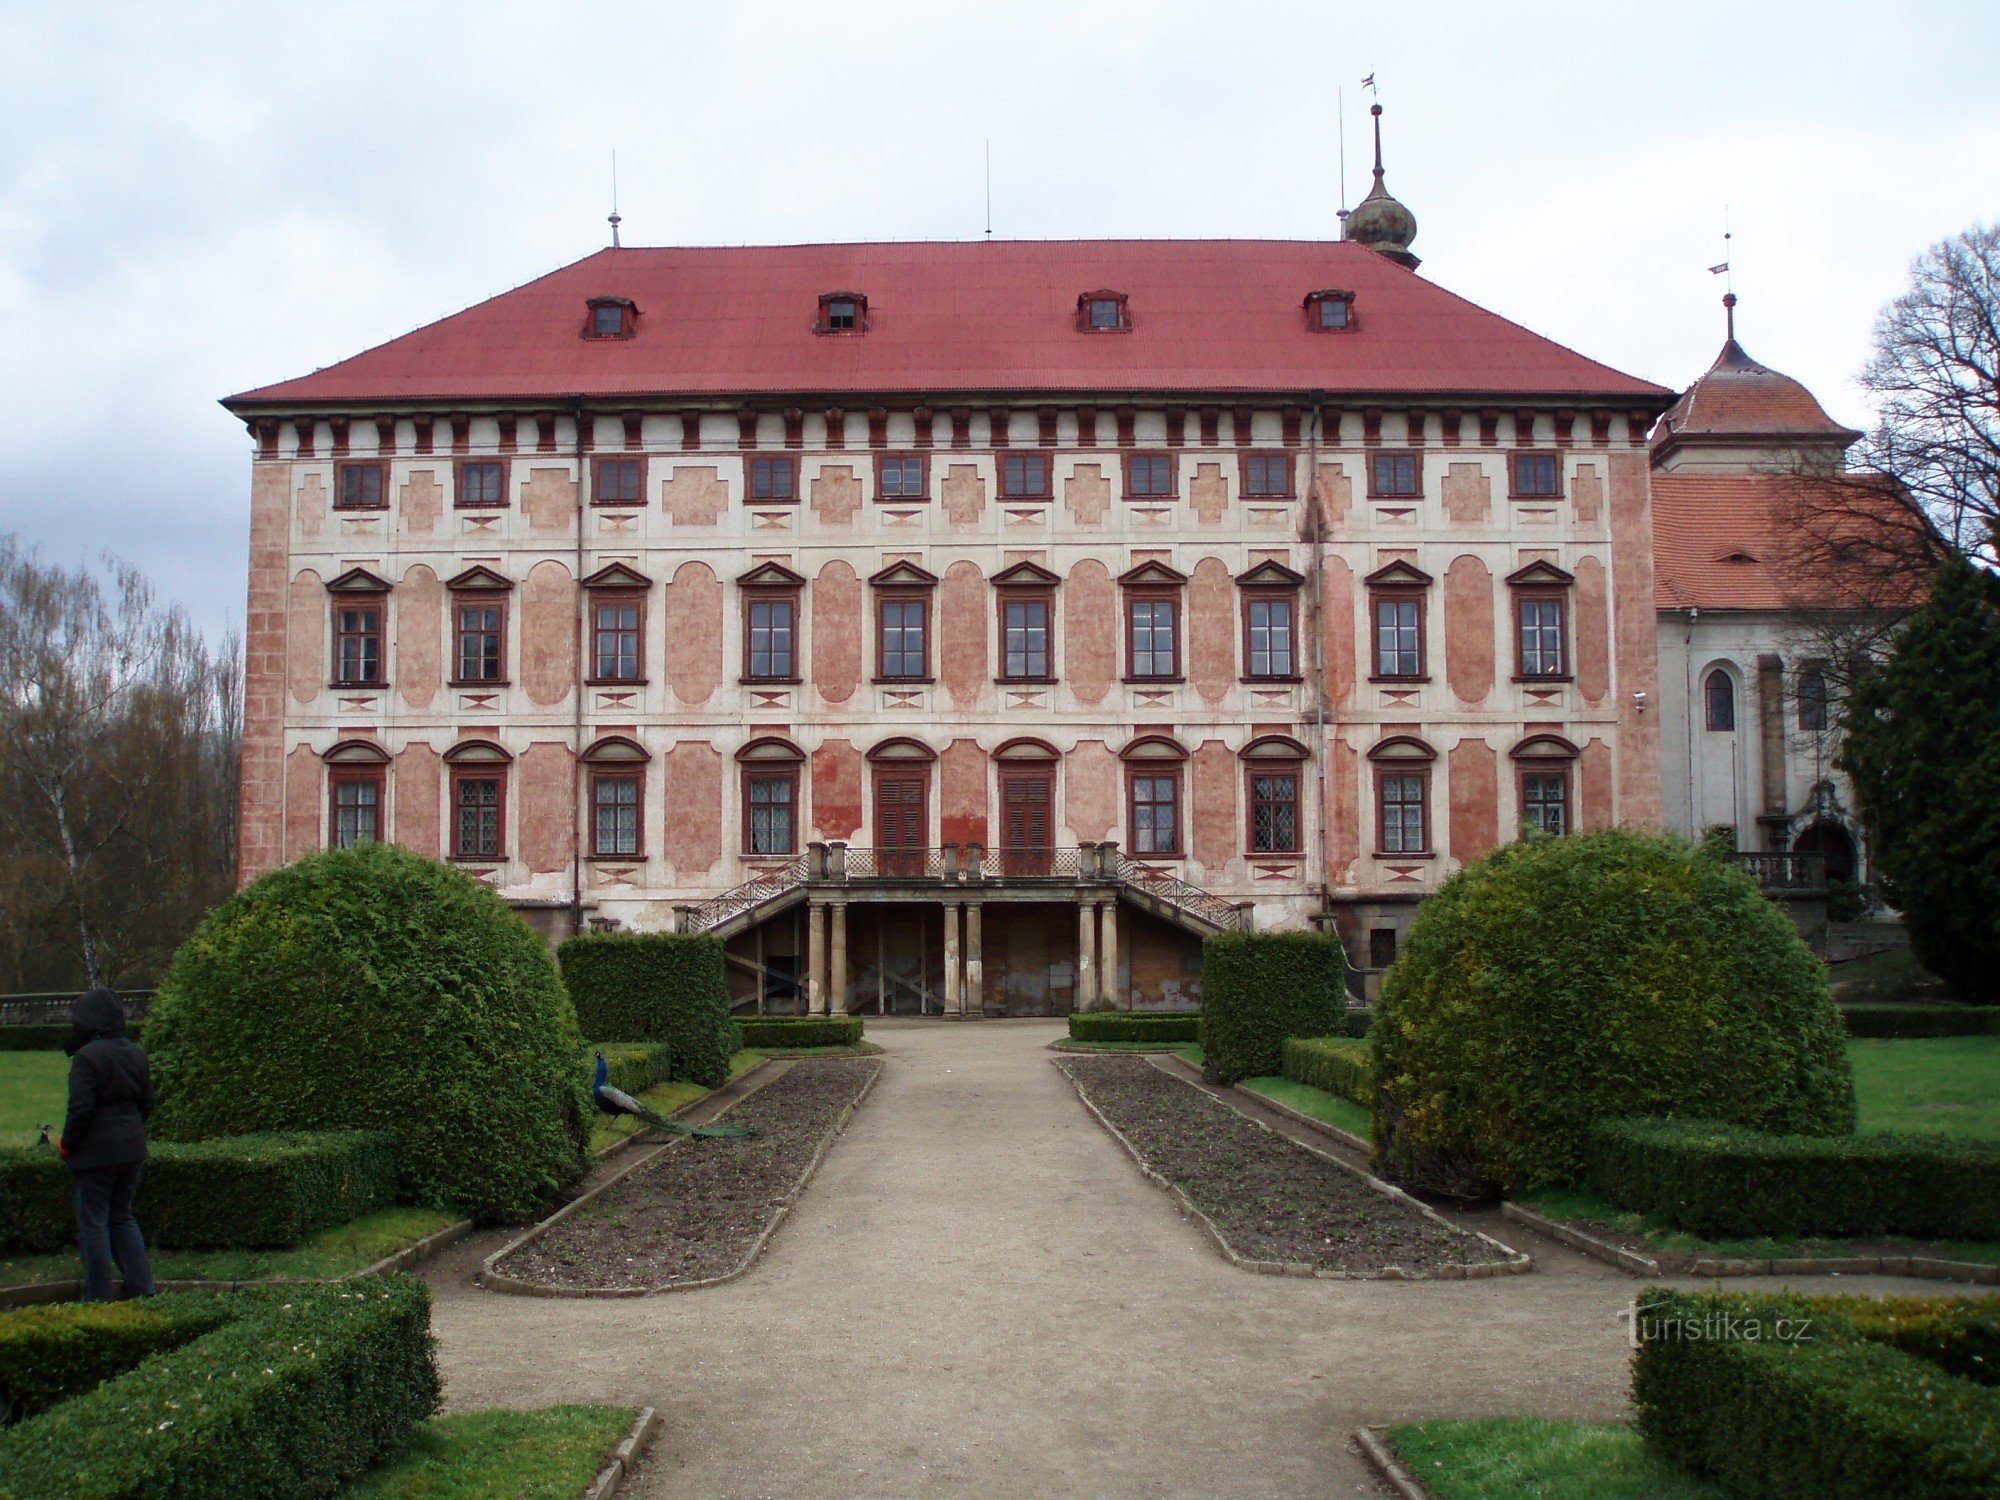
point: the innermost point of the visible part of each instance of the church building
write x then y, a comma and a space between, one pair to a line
972, 628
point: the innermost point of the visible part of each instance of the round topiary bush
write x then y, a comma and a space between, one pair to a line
370, 988
1563, 980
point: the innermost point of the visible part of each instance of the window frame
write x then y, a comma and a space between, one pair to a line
1316, 304
1153, 594
1815, 704
1045, 596
1163, 461
1173, 772
1404, 769
459, 469
1708, 714
857, 313
1541, 583
1284, 458
597, 466
338, 774
786, 772
1023, 456
1557, 770
628, 317
903, 595
617, 596
495, 772
379, 633
633, 771
1289, 770
766, 594
1517, 491
771, 464
923, 494
358, 467
1395, 455
463, 599
1086, 311
1251, 597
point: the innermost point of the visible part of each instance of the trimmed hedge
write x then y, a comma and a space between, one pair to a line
36, 1037
1257, 988
1720, 1181
53, 1352
299, 1391
656, 987
1342, 1067
1130, 1026
1561, 981
237, 1192
1723, 1391
799, 1031
371, 989
1920, 1020
631, 1066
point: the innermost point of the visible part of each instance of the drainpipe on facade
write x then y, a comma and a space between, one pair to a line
578, 639
1315, 518
1689, 707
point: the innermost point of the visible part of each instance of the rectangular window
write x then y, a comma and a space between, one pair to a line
840, 315
482, 482
1025, 639
1381, 947
619, 481
1154, 637
1393, 475
1537, 476
768, 644
1541, 626
1106, 312
1267, 475
362, 486
1545, 801
614, 813
900, 476
1156, 813
1269, 645
357, 645
1403, 813
1399, 637
770, 800
475, 815
1149, 476
616, 634
1274, 812
356, 810
607, 320
481, 636
1333, 312
774, 478
902, 652
1024, 476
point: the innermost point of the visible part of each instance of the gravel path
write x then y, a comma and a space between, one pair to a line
695, 1211
1270, 1199
978, 1295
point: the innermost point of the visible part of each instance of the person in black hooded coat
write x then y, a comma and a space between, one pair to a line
104, 1143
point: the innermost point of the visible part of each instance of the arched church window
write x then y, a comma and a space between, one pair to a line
1720, 695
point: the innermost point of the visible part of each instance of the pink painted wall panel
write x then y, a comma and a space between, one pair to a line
1089, 643
420, 636
1595, 794
418, 780
548, 633
1593, 631
1469, 629
964, 664
694, 632
546, 782
1473, 769
836, 495
962, 793
1212, 626
836, 637
836, 790
307, 608
1215, 776
1091, 806
305, 789
1337, 613
694, 808
1635, 628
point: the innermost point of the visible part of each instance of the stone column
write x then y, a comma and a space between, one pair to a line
816, 957
975, 963
1109, 995
836, 999
1086, 955
954, 993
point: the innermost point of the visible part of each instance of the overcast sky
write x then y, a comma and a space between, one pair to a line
197, 199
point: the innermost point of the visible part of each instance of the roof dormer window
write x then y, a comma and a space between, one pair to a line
611, 318
1329, 311
842, 312
1103, 311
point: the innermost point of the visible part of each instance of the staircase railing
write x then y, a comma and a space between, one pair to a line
764, 886
1176, 892
1804, 871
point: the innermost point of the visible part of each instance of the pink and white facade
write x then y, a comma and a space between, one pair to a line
957, 627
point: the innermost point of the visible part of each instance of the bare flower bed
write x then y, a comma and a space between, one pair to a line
700, 1209
1270, 1199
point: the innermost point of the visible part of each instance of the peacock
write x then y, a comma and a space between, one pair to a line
615, 1101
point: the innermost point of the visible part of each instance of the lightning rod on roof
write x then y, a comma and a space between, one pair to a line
1340, 121
989, 187
615, 220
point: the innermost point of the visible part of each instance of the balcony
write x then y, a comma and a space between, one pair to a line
1784, 874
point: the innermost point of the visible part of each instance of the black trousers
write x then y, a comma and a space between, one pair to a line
106, 1232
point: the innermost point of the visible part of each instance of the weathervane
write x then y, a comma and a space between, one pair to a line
615, 220
1721, 268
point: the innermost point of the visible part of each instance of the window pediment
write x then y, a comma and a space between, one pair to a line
1544, 747
1025, 574
357, 581
771, 749
1399, 575
478, 578
904, 575
771, 575
616, 749
902, 749
1541, 574
1154, 747
1273, 747
477, 752
1403, 747
617, 576
1270, 575
1027, 750
1152, 575
356, 753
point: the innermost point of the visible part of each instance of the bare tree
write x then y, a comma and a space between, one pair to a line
118, 743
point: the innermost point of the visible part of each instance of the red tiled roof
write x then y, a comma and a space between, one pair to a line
1208, 316
1740, 398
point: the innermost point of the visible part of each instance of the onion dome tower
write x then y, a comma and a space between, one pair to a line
1380, 222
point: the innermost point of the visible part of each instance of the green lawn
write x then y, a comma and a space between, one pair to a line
664, 1098
332, 1252
34, 1091
1510, 1458
1949, 1084
550, 1454
1317, 1103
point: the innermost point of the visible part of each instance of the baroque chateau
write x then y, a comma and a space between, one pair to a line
971, 628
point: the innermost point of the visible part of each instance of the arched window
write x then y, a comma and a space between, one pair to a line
1812, 700
1719, 693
